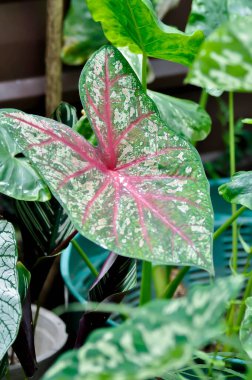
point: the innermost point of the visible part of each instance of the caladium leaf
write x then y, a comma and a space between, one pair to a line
184, 117
18, 179
133, 23
161, 336
82, 36
45, 225
117, 276
209, 15
224, 61
239, 189
133, 192
10, 304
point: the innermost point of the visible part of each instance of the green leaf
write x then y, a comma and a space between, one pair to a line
4, 364
246, 329
161, 336
224, 61
184, 117
24, 278
239, 190
247, 121
132, 193
133, 23
65, 114
209, 15
18, 179
10, 304
81, 35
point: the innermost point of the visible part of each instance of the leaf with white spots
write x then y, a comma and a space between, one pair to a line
134, 23
224, 61
159, 337
10, 304
142, 191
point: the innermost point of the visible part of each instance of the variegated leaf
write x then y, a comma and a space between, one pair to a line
142, 192
10, 303
160, 337
224, 61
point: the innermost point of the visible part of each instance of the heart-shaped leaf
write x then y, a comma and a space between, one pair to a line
184, 117
142, 192
17, 178
81, 35
10, 304
133, 23
224, 61
161, 336
209, 15
239, 190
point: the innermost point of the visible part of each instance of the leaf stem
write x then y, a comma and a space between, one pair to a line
144, 72
203, 99
145, 291
228, 222
242, 309
85, 258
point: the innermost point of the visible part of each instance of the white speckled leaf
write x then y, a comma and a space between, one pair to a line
142, 192
161, 336
10, 304
224, 61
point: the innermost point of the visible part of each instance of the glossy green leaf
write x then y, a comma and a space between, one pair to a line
224, 61
246, 328
161, 336
66, 114
132, 193
10, 304
239, 189
209, 15
81, 35
133, 23
18, 179
184, 117
24, 278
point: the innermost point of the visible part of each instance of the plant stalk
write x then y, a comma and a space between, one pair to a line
228, 222
203, 99
85, 258
242, 309
54, 17
145, 291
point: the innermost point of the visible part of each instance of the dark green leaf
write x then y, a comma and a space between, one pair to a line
24, 278
150, 177
81, 35
133, 23
10, 303
239, 190
224, 61
184, 117
4, 364
18, 179
161, 336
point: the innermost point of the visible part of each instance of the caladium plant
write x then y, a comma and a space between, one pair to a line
132, 192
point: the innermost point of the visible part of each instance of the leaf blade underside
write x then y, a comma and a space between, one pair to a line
132, 193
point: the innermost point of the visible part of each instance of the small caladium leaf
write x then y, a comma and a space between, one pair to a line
159, 337
142, 32
117, 276
10, 303
142, 192
184, 117
18, 179
82, 36
224, 61
246, 328
239, 189
209, 15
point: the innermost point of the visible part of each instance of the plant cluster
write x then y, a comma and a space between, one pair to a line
128, 177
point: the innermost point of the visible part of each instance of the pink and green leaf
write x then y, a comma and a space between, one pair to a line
142, 191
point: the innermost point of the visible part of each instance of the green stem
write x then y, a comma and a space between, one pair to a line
145, 291
172, 286
144, 72
160, 279
247, 293
232, 172
85, 258
228, 222
203, 98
